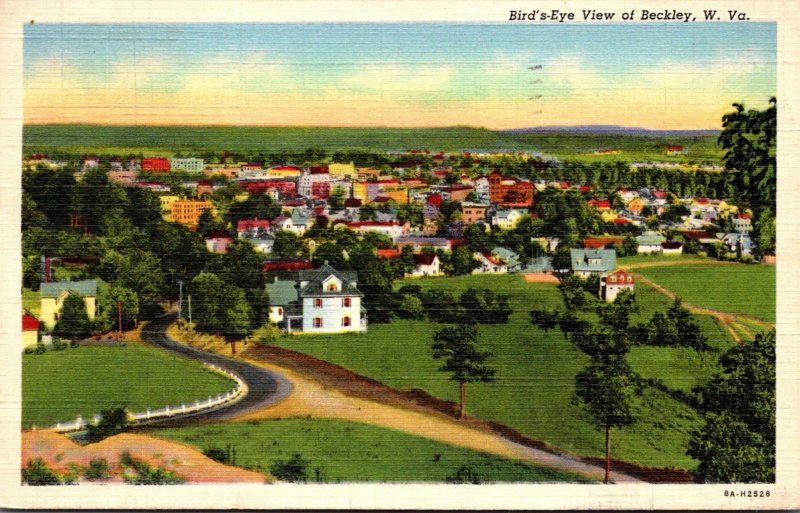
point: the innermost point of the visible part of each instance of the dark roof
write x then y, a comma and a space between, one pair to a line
424, 259
281, 293
315, 278
54, 289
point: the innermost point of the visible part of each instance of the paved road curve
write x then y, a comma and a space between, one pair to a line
264, 388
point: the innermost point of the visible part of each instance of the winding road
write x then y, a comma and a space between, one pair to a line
264, 388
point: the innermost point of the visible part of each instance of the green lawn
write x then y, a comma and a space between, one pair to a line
31, 301
741, 288
534, 385
341, 451
59, 385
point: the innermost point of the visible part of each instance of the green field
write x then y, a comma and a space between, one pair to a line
739, 289
59, 385
534, 385
166, 141
341, 451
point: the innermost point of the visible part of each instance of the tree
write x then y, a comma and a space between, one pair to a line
606, 385
484, 307
675, 327
440, 306
573, 292
207, 223
464, 360
242, 268
764, 235
748, 138
287, 244
73, 321
220, 308
544, 319
37, 473
629, 246
112, 421
461, 262
108, 301
737, 443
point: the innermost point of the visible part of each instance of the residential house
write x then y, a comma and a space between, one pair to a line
341, 170
742, 222
456, 192
611, 284
508, 219
53, 295
636, 205
321, 300
217, 241
122, 176
250, 228
650, 242
586, 262
511, 258
263, 243
391, 229
739, 243
284, 172
427, 264
30, 330
671, 247
489, 264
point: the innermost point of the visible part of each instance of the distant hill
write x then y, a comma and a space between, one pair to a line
610, 130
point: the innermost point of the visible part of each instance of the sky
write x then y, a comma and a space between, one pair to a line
498, 76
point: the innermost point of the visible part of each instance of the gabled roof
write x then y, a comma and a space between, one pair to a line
29, 322
316, 277
55, 289
582, 259
424, 259
281, 293
506, 255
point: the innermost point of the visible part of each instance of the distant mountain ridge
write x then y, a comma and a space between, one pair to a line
610, 130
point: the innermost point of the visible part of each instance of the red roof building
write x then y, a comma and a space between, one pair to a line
388, 253
424, 258
30, 323
286, 265
251, 224
156, 165
601, 242
600, 204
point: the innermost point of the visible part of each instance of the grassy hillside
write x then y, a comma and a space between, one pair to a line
534, 384
168, 140
59, 385
340, 451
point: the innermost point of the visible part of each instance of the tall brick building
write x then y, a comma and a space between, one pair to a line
509, 192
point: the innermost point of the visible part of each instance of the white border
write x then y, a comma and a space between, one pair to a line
784, 493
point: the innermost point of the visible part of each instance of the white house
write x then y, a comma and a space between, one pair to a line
612, 284
489, 264
427, 265
507, 219
322, 300
190, 164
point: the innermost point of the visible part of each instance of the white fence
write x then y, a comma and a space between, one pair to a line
232, 395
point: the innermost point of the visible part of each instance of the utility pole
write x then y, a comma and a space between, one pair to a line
180, 299
190, 308
119, 317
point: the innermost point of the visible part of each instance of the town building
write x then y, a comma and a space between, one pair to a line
188, 164
155, 165
53, 295
472, 213
509, 192
188, 211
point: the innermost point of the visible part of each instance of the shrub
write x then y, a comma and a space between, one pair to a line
293, 470
60, 344
466, 474
111, 422
37, 473
97, 469
226, 456
144, 474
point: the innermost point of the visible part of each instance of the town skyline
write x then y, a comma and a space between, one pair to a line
396, 75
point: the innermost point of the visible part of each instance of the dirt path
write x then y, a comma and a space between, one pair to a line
315, 400
683, 261
726, 319
344, 395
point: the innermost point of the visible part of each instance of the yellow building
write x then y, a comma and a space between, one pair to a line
397, 193
189, 211
284, 171
54, 294
636, 205
726, 209
167, 201
608, 216
341, 170
360, 191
